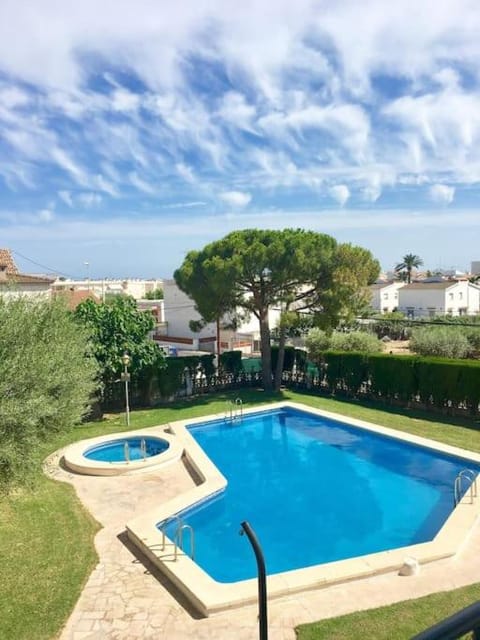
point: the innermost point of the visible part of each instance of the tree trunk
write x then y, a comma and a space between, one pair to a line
266, 350
218, 340
281, 358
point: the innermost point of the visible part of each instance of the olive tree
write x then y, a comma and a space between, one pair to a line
47, 378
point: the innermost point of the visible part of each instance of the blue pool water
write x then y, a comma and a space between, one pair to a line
114, 450
314, 490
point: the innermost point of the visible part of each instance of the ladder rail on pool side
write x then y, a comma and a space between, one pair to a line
234, 410
469, 475
174, 518
143, 449
126, 451
179, 540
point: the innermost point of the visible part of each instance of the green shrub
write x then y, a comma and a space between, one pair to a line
393, 376
317, 342
288, 359
207, 364
301, 361
231, 362
170, 377
444, 342
47, 377
356, 341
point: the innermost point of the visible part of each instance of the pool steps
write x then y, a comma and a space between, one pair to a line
234, 410
470, 476
178, 536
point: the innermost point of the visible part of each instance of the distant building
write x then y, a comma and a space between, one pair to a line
179, 310
103, 287
450, 297
385, 296
475, 268
14, 284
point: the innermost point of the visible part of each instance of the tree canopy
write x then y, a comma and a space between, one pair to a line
409, 262
293, 270
47, 379
118, 326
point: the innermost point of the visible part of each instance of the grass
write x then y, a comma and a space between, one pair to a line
399, 621
46, 537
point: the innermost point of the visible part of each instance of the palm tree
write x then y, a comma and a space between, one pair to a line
409, 262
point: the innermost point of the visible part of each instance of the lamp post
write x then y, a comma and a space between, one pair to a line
87, 266
126, 378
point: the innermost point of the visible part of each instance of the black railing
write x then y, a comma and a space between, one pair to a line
465, 621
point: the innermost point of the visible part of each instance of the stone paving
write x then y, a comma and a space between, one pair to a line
126, 598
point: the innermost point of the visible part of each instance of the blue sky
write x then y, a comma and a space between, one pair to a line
133, 132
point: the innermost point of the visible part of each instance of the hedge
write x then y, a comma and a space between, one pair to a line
436, 383
442, 383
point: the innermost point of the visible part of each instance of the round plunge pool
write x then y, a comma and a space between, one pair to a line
123, 453
127, 449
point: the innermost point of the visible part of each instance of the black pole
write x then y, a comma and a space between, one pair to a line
262, 580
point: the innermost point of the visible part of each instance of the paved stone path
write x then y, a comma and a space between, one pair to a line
126, 598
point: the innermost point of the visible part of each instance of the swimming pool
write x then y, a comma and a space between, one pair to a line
126, 449
316, 490
208, 590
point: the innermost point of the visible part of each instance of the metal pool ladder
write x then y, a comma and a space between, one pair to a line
178, 536
470, 476
234, 410
143, 448
126, 451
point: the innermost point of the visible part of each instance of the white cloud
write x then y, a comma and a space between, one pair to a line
45, 215
237, 199
186, 172
340, 193
123, 100
141, 184
66, 196
105, 186
90, 199
442, 193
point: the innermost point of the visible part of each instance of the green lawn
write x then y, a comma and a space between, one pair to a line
397, 622
46, 537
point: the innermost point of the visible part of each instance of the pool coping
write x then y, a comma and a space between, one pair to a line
209, 596
75, 460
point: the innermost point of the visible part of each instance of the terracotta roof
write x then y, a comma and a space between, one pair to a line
74, 297
23, 278
7, 261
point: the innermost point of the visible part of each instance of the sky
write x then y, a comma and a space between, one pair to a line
133, 132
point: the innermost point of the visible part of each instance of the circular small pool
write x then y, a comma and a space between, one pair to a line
127, 449
123, 453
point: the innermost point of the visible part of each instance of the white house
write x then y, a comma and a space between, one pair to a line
179, 310
450, 297
13, 283
385, 296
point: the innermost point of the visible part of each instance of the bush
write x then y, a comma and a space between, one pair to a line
231, 362
301, 362
317, 342
288, 360
356, 341
170, 378
444, 342
47, 378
